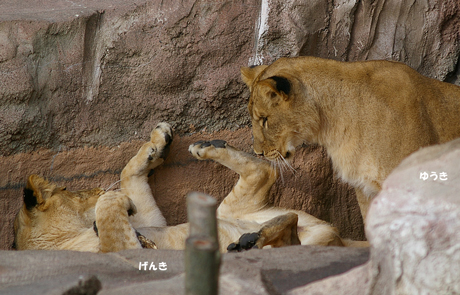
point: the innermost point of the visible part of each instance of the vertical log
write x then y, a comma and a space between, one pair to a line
202, 256
202, 261
201, 214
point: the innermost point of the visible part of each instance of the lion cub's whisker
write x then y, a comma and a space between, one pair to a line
112, 185
273, 169
286, 163
279, 168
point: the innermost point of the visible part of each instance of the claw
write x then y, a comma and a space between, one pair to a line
205, 144
198, 142
218, 143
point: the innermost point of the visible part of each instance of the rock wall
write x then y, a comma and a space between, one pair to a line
82, 83
423, 34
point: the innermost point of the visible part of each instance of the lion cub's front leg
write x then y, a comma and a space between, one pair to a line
113, 227
134, 177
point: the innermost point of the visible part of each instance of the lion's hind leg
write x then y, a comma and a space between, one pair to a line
113, 227
134, 177
150, 155
279, 231
250, 194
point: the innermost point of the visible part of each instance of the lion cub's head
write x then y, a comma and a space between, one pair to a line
51, 214
277, 112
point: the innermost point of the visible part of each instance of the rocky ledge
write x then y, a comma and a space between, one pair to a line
270, 271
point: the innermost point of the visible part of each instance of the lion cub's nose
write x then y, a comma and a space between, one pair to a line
259, 153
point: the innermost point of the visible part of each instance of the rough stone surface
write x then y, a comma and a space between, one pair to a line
85, 72
423, 34
271, 271
353, 282
413, 227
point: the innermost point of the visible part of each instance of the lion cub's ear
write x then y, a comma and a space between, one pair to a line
282, 85
249, 74
276, 88
37, 191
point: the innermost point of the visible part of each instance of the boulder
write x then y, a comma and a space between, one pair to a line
413, 227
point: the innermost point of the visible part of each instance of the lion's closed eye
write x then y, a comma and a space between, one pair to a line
264, 122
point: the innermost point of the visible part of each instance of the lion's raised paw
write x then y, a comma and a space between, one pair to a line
203, 150
161, 137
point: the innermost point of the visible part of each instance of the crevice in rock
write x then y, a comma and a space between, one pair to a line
454, 76
90, 67
261, 25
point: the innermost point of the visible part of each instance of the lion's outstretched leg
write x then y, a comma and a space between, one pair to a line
277, 232
113, 227
134, 177
250, 193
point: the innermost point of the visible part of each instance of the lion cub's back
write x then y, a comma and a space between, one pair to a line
432, 102
444, 109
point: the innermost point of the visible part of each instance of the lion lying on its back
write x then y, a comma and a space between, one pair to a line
368, 115
93, 220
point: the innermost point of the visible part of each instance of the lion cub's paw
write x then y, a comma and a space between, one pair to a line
246, 242
161, 137
203, 150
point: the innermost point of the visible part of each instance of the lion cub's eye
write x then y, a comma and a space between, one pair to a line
264, 121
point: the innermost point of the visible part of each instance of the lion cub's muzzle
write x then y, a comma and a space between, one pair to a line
275, 155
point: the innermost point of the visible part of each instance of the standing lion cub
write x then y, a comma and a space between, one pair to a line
368, 115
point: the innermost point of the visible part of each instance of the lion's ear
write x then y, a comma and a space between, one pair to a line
277, 87
37, 191
282, 84
249, 74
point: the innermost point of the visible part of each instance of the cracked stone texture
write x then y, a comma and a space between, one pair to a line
423, 34
83, 82
413, 227
91, 73
271, 271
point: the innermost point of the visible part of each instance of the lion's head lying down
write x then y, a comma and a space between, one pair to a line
50, 210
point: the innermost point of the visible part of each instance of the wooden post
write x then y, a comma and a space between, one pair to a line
201, 214
202, 256
202, 261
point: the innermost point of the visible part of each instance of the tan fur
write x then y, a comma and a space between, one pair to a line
368, 115
64, 220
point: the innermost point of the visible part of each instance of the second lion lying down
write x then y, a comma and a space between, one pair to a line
97, 221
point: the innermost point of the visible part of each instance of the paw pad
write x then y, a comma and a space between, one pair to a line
247, 241
217, 143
